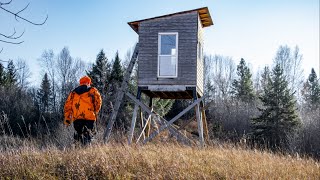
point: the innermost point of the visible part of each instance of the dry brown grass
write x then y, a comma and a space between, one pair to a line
153, 161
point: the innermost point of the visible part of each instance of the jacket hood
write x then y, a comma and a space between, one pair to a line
82, 89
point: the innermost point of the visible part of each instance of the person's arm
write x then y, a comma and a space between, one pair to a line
98, 101
68, 110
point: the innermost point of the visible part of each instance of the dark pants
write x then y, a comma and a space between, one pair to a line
84, 130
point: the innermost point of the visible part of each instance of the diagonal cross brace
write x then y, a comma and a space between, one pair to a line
163, 127
120, 93
177, 133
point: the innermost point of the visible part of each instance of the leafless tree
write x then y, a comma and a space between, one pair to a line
14, 37
69, 71
222, 73
290, 61
47, 61
64, 64
23, 73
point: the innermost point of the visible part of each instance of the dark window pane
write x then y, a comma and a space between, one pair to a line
168, 45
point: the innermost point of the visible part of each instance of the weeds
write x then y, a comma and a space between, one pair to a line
152, 161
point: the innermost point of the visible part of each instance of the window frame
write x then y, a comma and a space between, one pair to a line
159, 53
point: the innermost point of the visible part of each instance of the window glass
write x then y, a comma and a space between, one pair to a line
168, 44
167, 65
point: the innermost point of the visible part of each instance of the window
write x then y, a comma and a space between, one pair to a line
168, 55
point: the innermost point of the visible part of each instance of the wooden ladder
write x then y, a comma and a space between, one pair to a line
120, 93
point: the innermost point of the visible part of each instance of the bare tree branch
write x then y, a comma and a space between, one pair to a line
20, 17
1, 3
8, 38
9, 42
12, 35
21, 10
1, 50
3, 61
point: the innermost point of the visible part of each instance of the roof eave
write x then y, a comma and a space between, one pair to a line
203, 12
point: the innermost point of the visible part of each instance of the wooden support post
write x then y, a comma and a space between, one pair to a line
204, 121
120, 94
199, 120
178, 134
144, 128
166, 125
134, 117
142, 122
149, 124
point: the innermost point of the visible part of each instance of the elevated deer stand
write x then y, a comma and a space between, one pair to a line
170, 67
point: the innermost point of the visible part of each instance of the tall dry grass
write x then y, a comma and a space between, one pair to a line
152, 161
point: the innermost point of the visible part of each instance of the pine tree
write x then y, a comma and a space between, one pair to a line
312, 91
100, 72
163, 106
2, 75
278, 118
243, 87
11, 74
117, 72
44, 94
115, 81
265, 77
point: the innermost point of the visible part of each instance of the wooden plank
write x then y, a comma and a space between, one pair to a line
187, 27
120, 94
175, 132
146, 109
133, 123
144, 127
166, 87
200, 125
173, 120
205, 125
142, 122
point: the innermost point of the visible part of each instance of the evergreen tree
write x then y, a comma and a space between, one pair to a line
115, 81
265, 77
2, 75
278, 118
11, 74
44, 94
243, 87
117, 72
99, 75
100, 72
162, 106
312, 90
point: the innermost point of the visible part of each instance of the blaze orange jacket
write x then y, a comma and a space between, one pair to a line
82, 103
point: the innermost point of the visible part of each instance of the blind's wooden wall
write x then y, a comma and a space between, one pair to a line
187, 27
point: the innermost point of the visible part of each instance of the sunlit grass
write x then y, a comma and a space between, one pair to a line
153, 161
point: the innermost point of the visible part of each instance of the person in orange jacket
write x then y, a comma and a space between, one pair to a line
82, 107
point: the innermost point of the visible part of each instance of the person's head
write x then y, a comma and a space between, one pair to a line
85, 80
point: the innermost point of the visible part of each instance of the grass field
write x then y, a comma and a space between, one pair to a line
152, 161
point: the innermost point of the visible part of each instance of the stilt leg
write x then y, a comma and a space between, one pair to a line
142, 123
205, 124
149, 122
199, 120
134, 117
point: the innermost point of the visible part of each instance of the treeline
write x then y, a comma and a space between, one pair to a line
38, 111
276, 108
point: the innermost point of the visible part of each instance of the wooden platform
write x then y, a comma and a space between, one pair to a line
169, 92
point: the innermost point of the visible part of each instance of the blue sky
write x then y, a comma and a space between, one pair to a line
249, 29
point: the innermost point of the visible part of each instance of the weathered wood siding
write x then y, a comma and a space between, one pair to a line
200, 61
187, 27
